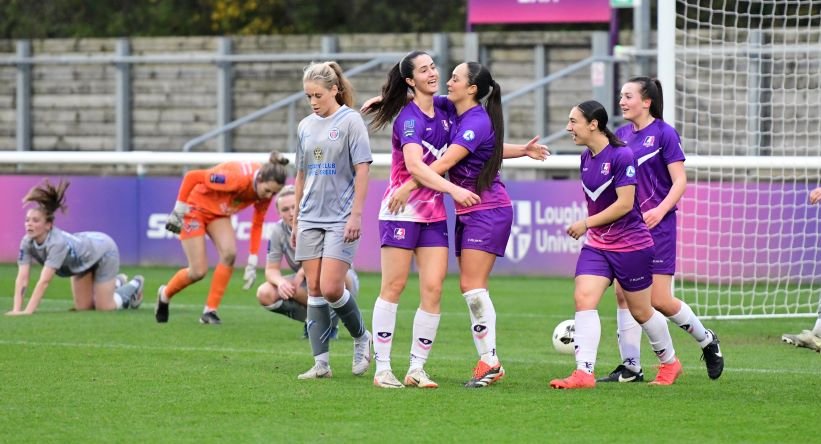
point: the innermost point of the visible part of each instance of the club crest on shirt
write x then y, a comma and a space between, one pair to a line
407, 127
399, 233
468, 135
649, 141
605, 168
317, 154
333, 133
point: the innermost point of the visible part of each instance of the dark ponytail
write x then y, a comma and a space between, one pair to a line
394, 91
488, 90
274, 170
49, 198
593, 110
651, 89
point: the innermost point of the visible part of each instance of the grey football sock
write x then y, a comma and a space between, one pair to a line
319, 327
292, 309
351, 316
126, 292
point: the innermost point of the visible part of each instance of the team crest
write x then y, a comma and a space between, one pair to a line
318, 154
333, 134
605, 168
399, 233
649, 141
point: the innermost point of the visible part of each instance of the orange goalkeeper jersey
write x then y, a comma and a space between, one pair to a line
224, 190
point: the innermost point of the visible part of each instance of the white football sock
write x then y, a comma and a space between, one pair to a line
629, 337
483, 324
817, 329
425, 326
660, 340
689, 322
587, 337
384, 325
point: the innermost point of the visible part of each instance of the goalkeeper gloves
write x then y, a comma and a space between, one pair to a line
174, 222
250, 275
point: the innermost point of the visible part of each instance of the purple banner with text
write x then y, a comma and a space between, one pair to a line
768, 232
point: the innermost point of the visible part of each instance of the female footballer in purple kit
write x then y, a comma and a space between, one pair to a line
473, 160
420, 136
618, 245
661, 182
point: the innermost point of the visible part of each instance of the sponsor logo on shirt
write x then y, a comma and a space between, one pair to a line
333, 133
649, 141
407, 127
468, 135
445, 125
217, 178
605, 168
398, 233
631, 171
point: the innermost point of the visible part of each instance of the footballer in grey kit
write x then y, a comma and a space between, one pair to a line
333, 159
90, 259
329, 148
287, 294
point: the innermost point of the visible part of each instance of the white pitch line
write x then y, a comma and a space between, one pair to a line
280, 352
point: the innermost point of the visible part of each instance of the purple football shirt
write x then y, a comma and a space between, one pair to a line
654, 147
601, 174
474, 131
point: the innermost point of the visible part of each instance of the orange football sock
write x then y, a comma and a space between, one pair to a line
177, 283
222, 274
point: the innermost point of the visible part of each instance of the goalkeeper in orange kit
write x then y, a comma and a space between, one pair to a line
205, 203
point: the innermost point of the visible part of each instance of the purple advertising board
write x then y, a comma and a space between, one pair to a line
482, 12
716, 239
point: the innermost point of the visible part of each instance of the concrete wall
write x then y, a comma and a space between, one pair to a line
73, 106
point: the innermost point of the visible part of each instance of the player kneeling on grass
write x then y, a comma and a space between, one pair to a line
618, 245
205, 203
288, 295
90, 258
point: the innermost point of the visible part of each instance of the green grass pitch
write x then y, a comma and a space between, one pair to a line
121, 377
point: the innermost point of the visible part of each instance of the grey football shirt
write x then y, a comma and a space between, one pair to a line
327, 151
70, 254
279, 246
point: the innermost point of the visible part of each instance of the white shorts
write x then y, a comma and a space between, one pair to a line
315, 243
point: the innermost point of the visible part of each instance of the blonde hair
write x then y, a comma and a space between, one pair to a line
287, 190
329, 74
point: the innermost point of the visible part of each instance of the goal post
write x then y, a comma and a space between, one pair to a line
742, 82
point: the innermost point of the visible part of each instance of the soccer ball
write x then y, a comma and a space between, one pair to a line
563, 337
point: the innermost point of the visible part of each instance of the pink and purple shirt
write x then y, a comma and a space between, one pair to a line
612, 168
432, 133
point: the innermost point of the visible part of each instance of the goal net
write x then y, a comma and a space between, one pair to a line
748, 107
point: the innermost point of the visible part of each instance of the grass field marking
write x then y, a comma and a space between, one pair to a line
450, 357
